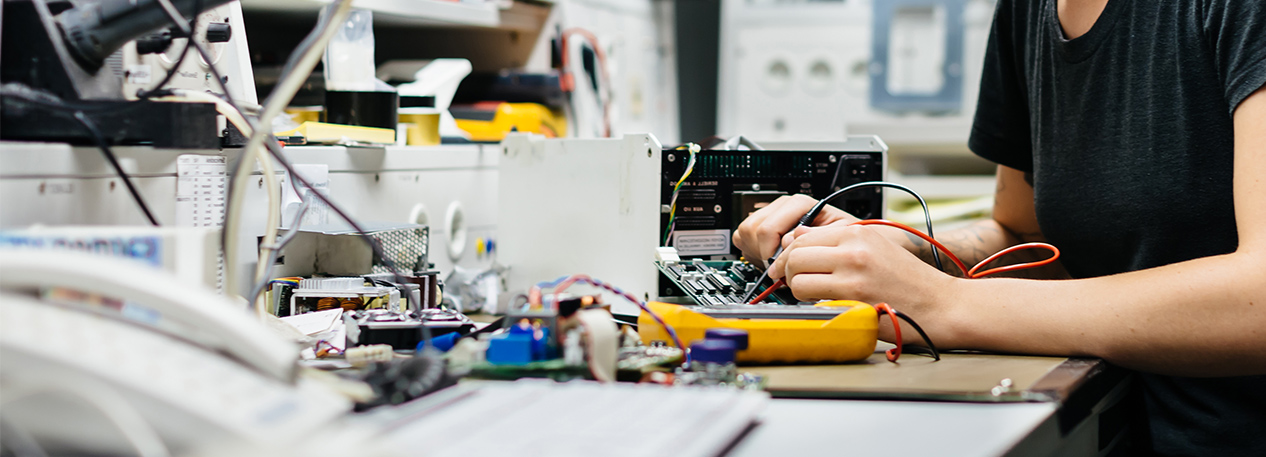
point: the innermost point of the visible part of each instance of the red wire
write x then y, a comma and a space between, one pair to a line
1019, 247
971, 273
894, 353
959, 263
570, 83
775, 286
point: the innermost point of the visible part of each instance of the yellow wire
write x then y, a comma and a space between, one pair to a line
690, 168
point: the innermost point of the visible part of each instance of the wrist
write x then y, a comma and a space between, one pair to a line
953, 318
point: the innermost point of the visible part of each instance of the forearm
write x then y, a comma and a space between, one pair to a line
1205, 317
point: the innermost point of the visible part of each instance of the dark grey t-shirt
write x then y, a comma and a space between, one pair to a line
1127, 131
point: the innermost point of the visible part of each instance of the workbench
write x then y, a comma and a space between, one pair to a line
969, 404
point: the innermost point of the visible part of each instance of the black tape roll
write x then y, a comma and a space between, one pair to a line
368, 109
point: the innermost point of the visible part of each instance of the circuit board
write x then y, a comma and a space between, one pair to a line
717, 282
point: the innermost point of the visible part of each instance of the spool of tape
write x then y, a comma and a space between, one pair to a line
601, 342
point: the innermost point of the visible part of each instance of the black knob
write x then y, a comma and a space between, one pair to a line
219, 32
154, 43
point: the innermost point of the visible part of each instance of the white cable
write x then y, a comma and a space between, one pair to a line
236, 118
135, 430
277, 101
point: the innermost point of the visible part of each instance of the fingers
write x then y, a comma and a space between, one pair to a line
823, 250
819, 286
819, 259
760, 235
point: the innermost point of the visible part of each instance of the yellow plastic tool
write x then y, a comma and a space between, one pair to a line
849, 336
323, 132
492, 121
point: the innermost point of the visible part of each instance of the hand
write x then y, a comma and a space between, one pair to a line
760, 235
859, 263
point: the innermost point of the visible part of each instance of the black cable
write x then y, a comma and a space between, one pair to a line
807, 220
55, 104
927, 215
931, 346
104, 146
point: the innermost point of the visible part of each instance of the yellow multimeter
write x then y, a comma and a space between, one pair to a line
830, 332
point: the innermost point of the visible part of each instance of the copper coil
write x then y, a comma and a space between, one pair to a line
352, 304
327, 303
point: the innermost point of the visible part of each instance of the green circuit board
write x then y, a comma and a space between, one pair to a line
718, 282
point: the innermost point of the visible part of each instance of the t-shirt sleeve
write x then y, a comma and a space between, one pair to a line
1001, 130
1236, 30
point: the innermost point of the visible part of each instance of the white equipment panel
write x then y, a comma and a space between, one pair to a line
580, 206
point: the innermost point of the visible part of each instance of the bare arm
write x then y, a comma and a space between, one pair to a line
1203, 317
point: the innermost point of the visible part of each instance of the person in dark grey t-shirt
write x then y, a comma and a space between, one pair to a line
1131, 134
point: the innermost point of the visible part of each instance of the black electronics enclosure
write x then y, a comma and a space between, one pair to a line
726, 186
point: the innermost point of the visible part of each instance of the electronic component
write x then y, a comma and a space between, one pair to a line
364, 355
713, 282
403, 330
712, 362
723, 187
835, 331
351, 294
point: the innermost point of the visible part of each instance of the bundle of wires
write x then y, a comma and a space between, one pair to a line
536, 299
672, 204
292, 281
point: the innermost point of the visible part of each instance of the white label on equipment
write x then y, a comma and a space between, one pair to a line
701, 242
201, 186
138, 74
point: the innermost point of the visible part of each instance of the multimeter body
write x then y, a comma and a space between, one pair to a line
830, 332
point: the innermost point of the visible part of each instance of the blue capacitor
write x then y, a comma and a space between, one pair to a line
712, 351
739, 337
